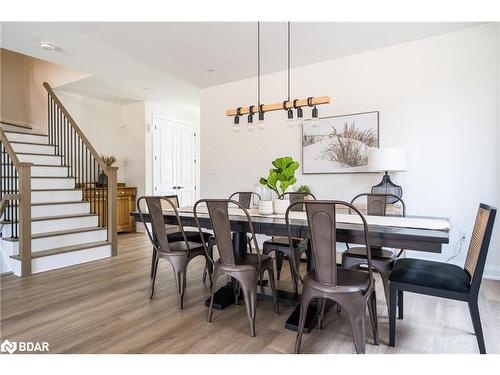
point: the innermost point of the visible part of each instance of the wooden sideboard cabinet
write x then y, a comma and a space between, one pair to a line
125, 203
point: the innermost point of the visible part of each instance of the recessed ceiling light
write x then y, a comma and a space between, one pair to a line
210, 70
145, 88
47, 46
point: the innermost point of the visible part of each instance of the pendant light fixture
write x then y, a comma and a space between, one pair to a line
261, 124
288, 105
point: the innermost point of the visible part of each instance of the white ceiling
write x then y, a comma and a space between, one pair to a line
168, 61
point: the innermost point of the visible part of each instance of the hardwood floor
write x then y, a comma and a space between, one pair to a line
103, 307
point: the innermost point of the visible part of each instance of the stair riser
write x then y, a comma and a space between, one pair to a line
43, 183
14, 128
62, 260
39, 159
32, 138
52, 171
60, 209
34, 149
47, 243
56, 196
44, 226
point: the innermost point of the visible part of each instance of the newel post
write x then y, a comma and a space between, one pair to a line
112, 216
24, 170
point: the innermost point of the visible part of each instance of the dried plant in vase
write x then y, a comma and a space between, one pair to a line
109, 160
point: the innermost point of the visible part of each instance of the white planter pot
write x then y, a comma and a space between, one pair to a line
265, 207
280, 205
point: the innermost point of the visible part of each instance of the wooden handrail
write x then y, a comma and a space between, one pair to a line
9, 149
5, 199
72, 122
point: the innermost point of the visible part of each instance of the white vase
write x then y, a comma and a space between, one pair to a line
265, 207
280, 205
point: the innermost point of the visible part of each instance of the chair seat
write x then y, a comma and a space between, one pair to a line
249, 261
378, 253
283, 242
192, 236
426, 273
348, 280
180, 248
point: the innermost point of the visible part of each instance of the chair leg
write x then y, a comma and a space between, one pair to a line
476, 322
153, 261
273, 289
372, 309
392, 314
249, 289
356, 309
180, 278
385, 283
215, 276
304, 305
321, 311
295, 281
400, 304
236, 288
279, 263
155, 268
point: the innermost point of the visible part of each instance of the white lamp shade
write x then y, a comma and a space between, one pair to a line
386, 159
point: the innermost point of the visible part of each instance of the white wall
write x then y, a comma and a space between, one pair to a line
437, 97
101, 122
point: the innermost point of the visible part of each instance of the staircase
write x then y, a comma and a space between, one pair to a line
55, 211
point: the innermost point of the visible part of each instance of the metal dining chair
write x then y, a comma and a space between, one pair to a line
353, 289
245, 270
245, 198
446, 280
177, 253
281, 247
382, 259
174, 234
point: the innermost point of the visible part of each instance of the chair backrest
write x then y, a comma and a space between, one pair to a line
323, 236
245, 197
376, 204
158, 233
295, 196
479, 243
218, 212
174, 200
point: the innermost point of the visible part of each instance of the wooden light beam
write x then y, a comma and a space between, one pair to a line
279, 106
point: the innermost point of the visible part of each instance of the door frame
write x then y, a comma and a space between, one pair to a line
196, 129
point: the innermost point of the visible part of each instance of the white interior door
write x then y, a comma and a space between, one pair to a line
174, 160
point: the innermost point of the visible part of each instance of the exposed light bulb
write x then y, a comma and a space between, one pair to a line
290, 121
314, 122
315, 117
250, 127
261, 124
236, 123
236, 127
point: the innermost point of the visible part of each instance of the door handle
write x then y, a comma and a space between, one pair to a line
174, 187
180, 187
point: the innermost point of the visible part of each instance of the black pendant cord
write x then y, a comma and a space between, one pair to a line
288, 37
258, 65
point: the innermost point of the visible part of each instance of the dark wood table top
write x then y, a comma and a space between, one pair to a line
395, 237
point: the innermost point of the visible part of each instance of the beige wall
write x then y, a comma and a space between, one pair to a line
23, 98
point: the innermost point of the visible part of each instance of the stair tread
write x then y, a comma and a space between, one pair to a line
16, 132
22, 126
58, 233
52, 203
61, 189
32, 143
46, 177
66, 249
36, 153
45, 165
56, 217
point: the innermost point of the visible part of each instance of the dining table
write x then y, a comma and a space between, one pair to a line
418, 233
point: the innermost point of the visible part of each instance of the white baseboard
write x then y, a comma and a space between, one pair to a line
492, 272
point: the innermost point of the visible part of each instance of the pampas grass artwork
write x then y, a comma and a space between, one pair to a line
339, 144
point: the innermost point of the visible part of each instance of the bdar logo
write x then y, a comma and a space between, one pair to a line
8, 346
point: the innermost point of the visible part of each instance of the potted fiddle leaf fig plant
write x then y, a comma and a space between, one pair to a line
279, 179
109, 161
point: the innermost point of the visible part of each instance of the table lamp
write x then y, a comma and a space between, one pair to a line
387, 160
